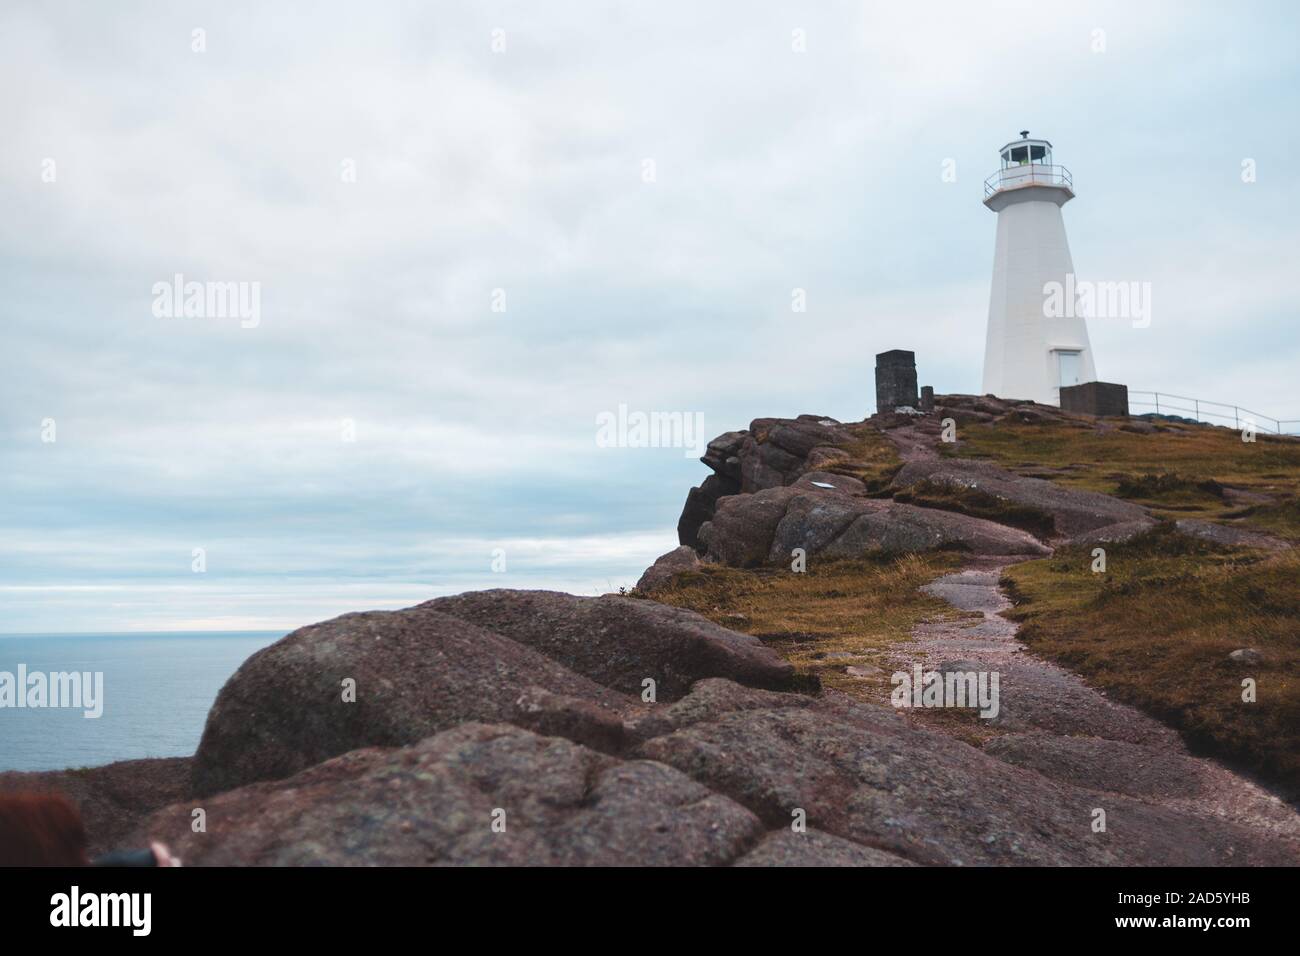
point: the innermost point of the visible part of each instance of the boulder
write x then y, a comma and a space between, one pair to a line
895, 528
1073, 512
619, 642
435, 802
417, 671
1229, 536
700, 505
812, 520
1112, 533
742, 528
679, 559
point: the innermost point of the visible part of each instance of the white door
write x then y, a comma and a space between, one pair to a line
1070, 367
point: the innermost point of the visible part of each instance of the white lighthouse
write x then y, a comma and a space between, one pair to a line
1032, 347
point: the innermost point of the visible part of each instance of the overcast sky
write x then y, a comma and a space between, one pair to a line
778, 160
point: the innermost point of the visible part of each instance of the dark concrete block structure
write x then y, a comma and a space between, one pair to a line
895, 380
1095, 398
927, 398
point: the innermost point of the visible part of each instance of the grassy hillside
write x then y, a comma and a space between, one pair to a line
1155, 631
1179, 471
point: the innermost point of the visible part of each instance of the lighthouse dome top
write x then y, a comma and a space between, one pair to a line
1024, 151
1026, 164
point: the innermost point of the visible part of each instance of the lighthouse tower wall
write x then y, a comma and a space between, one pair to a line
1026, 350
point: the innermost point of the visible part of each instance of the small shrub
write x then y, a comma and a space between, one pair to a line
1168, 486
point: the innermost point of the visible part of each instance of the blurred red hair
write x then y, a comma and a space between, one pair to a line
41, 829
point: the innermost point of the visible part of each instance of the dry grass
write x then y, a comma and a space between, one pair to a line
1170, 471
860, 608
874, 461
1156, 629
1171, 489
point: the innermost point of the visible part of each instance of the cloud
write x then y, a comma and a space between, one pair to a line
524, 172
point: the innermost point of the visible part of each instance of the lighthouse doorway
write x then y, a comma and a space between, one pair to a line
1069, 367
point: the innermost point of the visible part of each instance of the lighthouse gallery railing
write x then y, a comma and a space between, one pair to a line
1030, 174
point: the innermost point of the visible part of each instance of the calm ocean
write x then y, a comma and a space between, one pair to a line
157, 691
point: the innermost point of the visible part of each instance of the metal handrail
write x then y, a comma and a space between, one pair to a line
1030, 174
1165, 402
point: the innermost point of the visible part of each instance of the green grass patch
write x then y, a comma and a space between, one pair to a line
1155, 631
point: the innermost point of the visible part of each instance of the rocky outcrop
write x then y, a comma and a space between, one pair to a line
525, 657
483, 794
620, 642
114, 798
415, 672
772, 492
682, 558
771, 453
750, 530
775, 451
717, 777
863, 774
